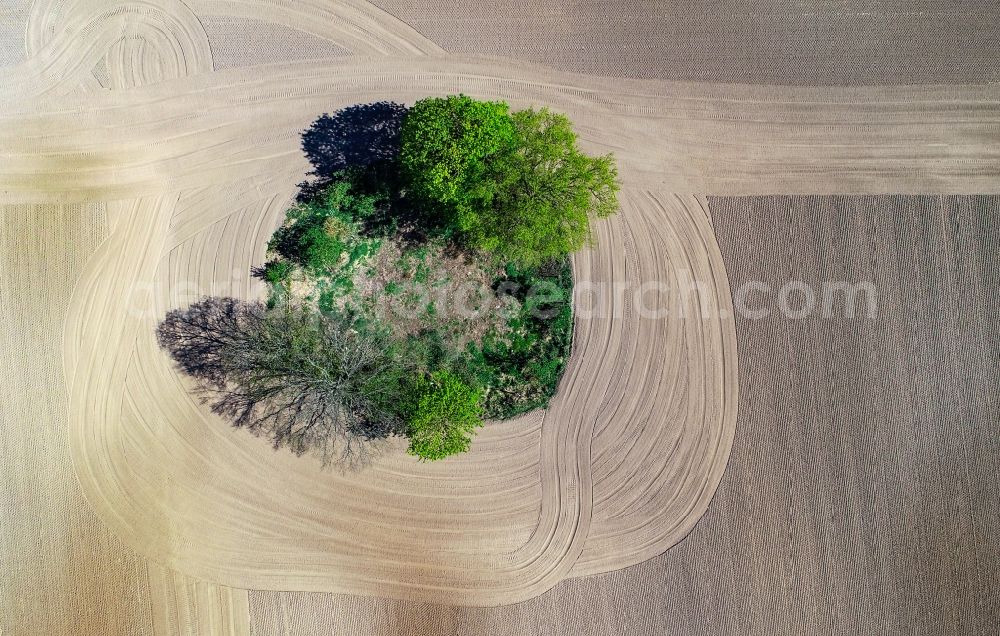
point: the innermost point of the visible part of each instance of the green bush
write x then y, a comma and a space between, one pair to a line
276, 272
520, 370
344, 198
432, 350
443, 413
316, 234
320, 251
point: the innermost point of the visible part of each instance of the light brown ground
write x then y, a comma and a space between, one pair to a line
860, 494
194, 168
787, 42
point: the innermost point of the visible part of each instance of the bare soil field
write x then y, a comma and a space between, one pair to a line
63, 570
860, 495
812, 42
146, 161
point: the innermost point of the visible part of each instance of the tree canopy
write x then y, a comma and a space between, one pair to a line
516, 186
449, 150
549, 192
317, 233
444, 412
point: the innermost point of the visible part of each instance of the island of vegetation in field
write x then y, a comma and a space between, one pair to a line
420, 284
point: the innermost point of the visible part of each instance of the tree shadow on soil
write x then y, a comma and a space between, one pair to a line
359, 136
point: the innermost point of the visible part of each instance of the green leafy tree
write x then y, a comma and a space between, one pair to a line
549, 192
449, 148
515, 186
444, 412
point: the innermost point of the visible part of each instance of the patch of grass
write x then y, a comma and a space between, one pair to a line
421, 273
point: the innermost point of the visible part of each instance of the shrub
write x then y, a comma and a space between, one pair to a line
316, 234
431, 350
344, 198
336, 228
520, 370
444, 412
319, 250
323, 236
275, 272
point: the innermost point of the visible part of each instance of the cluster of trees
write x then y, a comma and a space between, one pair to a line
511, 185
313, 382
509, 188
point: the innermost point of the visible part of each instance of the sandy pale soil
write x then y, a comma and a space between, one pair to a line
860, 494
140, 172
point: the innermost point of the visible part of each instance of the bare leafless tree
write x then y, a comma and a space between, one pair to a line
307, 381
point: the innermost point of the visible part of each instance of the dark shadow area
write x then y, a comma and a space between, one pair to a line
361, 143
358, 136
198, 337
